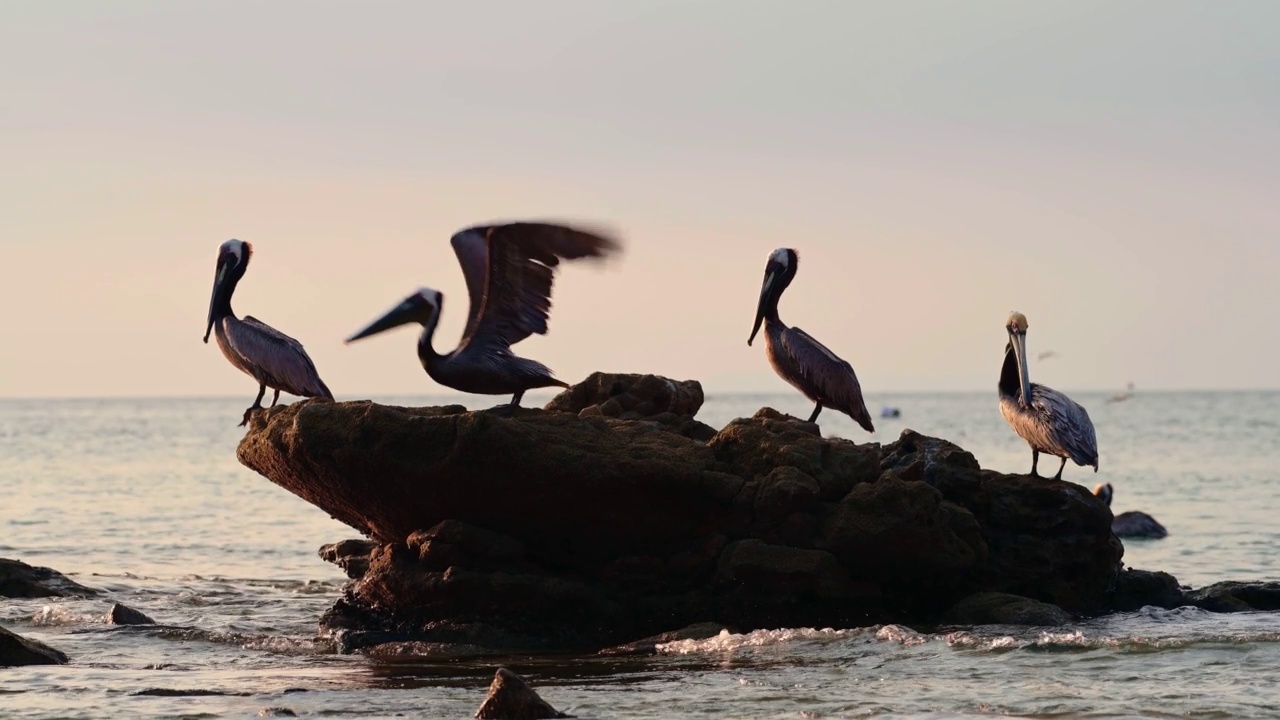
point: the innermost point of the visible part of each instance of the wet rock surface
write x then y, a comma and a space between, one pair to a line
511, 698
994, 608
671, 403
121, 614
16, 651
1135, 589
20, 580
555, 530
350, 555
1235, 597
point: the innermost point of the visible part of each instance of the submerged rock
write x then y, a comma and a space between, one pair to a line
16, 650
121, 614
1135, 589
20, 580
573, 531
994, 608
511, 698
1236, 597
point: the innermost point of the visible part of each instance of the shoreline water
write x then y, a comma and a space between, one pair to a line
148, 495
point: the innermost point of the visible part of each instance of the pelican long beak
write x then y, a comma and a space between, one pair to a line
218, 280
769, 277
401, 314
1019, 341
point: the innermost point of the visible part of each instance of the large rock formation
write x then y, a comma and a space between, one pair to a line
571, 529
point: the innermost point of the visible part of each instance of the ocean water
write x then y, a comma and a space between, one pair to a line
144, 499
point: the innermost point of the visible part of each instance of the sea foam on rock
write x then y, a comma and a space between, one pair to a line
560, 529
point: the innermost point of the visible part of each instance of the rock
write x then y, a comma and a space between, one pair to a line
767, 585
936, 545
451, 543
20, 580
511, 698
1029, 525
125, 615
390, 471
670, 403
350, 555
995, 608
647, 395
575, 531
16, 650
1236, 597
277, 712
755, 447
1136, 589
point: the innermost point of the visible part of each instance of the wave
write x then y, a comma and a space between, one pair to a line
1124, 635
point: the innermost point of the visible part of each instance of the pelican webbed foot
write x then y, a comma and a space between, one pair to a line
257, 405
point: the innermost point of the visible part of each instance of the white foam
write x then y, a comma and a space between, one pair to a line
729, 642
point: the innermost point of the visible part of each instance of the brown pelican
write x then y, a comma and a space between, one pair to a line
1049, 421
802, 361
1132, 523
509, 270
274, 359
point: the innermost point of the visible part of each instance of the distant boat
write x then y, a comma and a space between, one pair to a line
1046, 355
1121, 396
890, 412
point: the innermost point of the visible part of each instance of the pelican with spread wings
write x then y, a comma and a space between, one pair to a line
509, 271
274, 359
799, 359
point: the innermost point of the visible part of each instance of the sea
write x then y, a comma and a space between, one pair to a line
144, 499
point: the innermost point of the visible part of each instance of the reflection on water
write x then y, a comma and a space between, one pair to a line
144, 499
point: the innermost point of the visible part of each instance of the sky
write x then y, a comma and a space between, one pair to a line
1108, 168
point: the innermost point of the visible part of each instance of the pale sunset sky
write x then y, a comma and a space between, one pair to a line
1109, 168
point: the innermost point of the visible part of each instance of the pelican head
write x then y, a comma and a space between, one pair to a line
422, 307
1104, 491
1017, 329
233, 258
778, 273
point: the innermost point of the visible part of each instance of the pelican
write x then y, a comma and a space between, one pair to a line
274, 359
1049, 421
802, 361
509, 270
1132, 523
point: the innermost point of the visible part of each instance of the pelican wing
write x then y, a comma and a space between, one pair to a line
279, 361
510, 269
1064, 424
832, 376
472, 249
